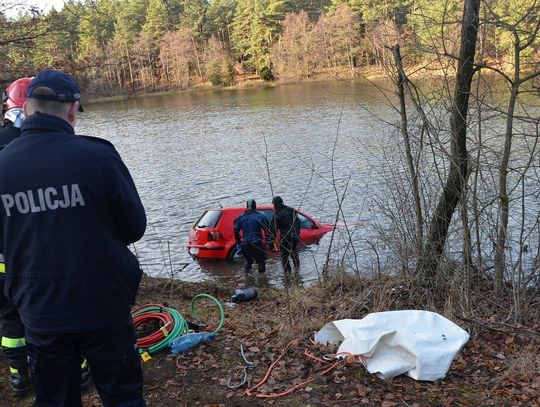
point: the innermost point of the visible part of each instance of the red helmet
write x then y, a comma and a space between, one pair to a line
15, 94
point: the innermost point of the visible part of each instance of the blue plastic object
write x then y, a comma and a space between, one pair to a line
189, 340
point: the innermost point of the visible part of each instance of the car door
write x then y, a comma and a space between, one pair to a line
309, 230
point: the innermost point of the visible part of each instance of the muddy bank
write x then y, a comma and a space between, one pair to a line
498, 367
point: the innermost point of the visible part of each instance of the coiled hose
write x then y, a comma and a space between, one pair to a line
172, 323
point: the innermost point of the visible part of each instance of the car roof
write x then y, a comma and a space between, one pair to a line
240, 208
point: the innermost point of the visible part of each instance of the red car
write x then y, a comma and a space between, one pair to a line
212, 236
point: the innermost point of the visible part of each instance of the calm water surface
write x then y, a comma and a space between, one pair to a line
188, 152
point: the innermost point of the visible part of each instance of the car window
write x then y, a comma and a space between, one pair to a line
267, 212
209, 219
305, 222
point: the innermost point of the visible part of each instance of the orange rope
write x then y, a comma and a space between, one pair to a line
309, 355
249, 392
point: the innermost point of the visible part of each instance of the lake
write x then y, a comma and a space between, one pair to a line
309, 143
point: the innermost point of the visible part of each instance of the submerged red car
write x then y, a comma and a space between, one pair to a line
212, 236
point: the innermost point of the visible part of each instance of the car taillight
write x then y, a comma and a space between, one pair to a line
214, 236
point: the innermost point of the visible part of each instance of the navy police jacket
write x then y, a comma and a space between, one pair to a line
68, 210
252, 224
8, 133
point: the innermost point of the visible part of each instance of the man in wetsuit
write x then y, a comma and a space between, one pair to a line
250, 230
285, 222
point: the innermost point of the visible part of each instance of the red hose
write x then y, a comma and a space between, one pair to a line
163, 316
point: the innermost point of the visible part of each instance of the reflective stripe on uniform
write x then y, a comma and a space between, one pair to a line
13, 342
2, 267
84, 363
12, 370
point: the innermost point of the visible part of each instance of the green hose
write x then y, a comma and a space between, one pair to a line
215, 300
180, 324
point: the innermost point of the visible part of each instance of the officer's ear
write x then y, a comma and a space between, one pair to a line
26, 108
72, 113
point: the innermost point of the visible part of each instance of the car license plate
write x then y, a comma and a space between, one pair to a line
194, 251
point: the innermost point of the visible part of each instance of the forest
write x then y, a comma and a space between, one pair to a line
462, 210
118, 46
457, 213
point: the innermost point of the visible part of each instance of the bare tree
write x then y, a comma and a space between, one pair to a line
521, 42
457, 176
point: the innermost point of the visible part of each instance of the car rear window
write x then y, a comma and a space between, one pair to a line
305, 222
209, 219
267, 212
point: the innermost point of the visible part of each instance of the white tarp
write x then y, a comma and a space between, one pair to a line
419, 343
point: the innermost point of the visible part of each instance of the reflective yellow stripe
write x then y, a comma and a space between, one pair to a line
84, 364
2, 267
13, 342
12, 370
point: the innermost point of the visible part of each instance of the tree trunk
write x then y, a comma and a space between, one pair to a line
130, 69
504, 206
401, 81
457, 176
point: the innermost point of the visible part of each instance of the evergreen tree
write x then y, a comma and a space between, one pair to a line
220, 16
157, 22
59, 45
255, 28
96, 28
193, 17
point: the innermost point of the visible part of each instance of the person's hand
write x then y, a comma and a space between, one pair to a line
238, 248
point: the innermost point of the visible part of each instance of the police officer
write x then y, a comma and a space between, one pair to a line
66, 217
285, 221
250, 228
11, 327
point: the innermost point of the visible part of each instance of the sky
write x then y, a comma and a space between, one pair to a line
43, 5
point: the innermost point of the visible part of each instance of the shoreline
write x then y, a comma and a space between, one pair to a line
247, 82
243, 82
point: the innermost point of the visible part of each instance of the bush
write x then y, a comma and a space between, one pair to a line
266, 74
221, 72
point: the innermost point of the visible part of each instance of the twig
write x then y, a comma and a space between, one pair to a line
501, 327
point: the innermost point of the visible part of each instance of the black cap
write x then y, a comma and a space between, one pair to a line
64, 86
251, 204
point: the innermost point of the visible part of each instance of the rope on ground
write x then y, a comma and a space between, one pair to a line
338, 359
243, 372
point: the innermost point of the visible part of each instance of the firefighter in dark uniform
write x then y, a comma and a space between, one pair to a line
285, 222
11, 327
250, 229
66, 217
12, 102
